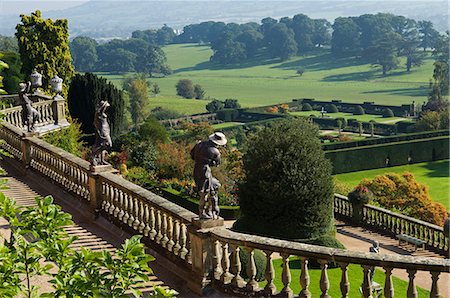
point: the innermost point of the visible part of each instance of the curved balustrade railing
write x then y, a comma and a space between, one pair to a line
45, 108
67, 170
392, 223
162, 221
227, 267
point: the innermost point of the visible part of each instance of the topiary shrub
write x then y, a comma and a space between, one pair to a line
332, 108
260, 263
359, 110
306, 107
387, 113
288, 189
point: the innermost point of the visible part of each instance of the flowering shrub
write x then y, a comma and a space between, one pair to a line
273, 110
173, 161
404, 194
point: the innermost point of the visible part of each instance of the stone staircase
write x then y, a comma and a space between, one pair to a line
94, 235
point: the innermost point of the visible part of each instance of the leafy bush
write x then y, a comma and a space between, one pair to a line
404, 194
387, 113
138, 176
72, 274
300, 72
152, 130
163, 114
280, 197
359, 110
144, 155
185, 88
68, 139
215, 106
306, 107
332, 108
173, 161
231, 103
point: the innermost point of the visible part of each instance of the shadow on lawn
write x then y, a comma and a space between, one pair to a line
438, 168
414, 92
323, 61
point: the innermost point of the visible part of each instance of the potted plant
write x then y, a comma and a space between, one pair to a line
358, 197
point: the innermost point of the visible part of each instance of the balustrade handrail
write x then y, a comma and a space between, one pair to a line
330, 254
395, 214
16, 130
60, 153
163, 204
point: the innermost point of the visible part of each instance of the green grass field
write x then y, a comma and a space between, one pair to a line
265, 81
364, 118
433, 174
226, 125
355, 275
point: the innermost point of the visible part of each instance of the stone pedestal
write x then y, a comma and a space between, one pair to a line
95, 187
59, 110
202, 252
102, 169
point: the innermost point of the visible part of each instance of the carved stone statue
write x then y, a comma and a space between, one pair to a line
206, 155
29, 114
102, 135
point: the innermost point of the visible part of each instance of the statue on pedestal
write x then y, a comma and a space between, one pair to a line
206, 155
102, 135
29, 114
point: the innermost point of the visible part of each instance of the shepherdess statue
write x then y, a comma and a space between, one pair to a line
102, 135
29, 114
206, 155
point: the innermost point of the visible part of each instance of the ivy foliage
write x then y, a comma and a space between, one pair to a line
44, 47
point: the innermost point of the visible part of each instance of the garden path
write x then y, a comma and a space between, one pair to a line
95, 235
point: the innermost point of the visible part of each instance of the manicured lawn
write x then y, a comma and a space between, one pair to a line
355, 276
265, 81
433, 174
363, 118
226, 125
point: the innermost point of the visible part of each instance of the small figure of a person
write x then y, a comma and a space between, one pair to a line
206, 155
212, 197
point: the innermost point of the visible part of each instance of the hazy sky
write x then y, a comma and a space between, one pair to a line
18, 7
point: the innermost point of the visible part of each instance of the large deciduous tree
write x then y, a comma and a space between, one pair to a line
85, 92
383, 52
428, 34
137, 88
44, 46
84, 53
11, 74
281, 42
345, 39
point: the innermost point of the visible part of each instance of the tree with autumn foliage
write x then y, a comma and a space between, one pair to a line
44, 47
173, 160
404, 194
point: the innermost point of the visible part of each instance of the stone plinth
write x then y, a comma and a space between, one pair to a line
101, 169
202, 223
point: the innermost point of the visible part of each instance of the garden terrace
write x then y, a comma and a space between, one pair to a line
201, 251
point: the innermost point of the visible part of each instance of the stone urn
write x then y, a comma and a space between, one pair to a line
360, 196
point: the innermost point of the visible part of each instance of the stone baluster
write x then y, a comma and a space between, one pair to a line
176, 236
304, 279
152, 223
217, 266
169, 233
125, 209
412, 291
252, 284
146, 220
136, 223
226, 276
434, 286
236, 267
122, 207
366, 285
324, 282
164, 239
286, 277
107, 194
130, 210
388, 285
183, 242
270, 288
142, 219
345, 284
159, 236
114, 198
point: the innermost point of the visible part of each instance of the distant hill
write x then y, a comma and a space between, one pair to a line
103, 19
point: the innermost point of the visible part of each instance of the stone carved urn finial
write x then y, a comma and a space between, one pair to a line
36, 81
56, 83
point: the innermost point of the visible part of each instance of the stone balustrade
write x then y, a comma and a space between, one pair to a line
209, 255
226, 267
392, 223
51, 111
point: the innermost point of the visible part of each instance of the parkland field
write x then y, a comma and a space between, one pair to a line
265, 81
